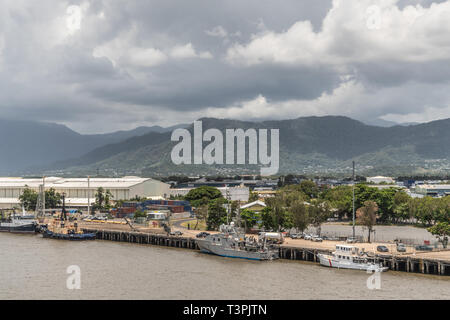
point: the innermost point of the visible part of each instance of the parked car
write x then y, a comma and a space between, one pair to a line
382, 249
176, 233
316, 239
351, 240
307, 237
296, 236
401, 247
424, 248
202, 234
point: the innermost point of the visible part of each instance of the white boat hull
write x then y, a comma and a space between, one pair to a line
330, 261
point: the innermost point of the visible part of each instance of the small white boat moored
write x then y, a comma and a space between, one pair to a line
349, 257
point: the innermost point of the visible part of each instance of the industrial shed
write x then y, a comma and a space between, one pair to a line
79, 190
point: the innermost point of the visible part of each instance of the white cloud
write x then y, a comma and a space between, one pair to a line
354, 33
123, 53
188, 51
349, 93
351, 99
217, 31
428, 114
145, 57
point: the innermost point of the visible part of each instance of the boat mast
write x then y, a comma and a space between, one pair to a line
353, 189
89, 196
63, 212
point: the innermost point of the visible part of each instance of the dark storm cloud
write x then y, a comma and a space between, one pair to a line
202, 84
129, 63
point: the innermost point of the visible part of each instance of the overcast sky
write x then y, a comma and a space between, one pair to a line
101, 66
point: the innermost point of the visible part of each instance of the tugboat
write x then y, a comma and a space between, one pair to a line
19, 224
64, 229
232, 242
349, 257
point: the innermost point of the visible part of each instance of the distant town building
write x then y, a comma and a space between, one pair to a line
78, 191
380, 179
265, 193
433, 190
239, 193
255, 206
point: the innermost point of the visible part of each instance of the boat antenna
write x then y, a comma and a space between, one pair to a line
353, 198
89, 195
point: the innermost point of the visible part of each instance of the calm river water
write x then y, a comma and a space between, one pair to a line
35, 268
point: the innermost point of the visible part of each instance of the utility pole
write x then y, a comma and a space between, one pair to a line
353, 187
89, 196
228, 204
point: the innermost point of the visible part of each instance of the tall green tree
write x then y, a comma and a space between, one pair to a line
300, 215
401, 206
340, 198
318, 212
28, 199
52, 199
249, 218
267, 220
442, 231
253, 196
309, 188
201, 213
202, 195
367, 216
217, 214
102, 199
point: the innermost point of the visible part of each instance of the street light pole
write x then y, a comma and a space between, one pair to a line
89, 196
353, 189
43, 195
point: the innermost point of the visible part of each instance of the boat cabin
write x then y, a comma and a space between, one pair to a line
346, 250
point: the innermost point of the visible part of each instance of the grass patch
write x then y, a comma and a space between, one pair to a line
201, 224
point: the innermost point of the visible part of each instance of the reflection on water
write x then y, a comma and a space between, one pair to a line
35, 268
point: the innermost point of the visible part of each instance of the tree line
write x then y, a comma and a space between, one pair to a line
306, 204
29, 197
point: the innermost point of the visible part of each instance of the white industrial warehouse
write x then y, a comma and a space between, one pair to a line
79, 190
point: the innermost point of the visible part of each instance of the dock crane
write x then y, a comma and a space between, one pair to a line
130, 224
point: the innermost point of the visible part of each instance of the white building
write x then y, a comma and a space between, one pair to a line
433, 190
236, 193
380, 179
78, 190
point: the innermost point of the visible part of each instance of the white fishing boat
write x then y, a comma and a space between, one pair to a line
349, 257
19, 224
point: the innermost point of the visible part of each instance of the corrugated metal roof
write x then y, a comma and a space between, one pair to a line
57, 182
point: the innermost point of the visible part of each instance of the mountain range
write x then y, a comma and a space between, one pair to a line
308, 145
30, 145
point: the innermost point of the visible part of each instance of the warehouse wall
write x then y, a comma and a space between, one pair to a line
150, 188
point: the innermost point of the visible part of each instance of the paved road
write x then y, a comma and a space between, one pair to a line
177, 223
